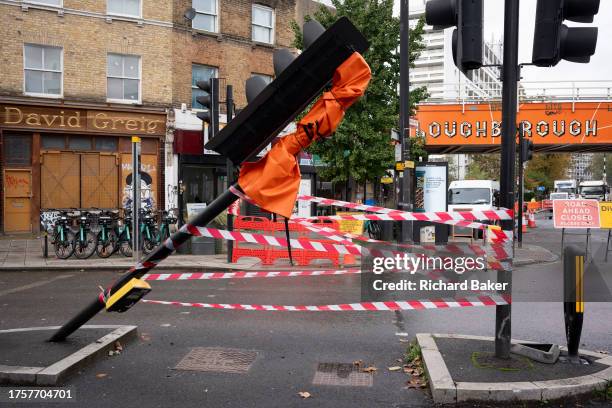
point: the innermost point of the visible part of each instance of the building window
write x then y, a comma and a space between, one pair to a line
128, 8
200, 73
17, 150
42, 70
106, 144
266, 78
206, 15
53, 142
54, 3
123, 78
263, 24
79, 143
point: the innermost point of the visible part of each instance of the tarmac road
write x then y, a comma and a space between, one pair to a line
289, 345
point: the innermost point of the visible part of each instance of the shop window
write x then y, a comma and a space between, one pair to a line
42, 70
206, 15
53, 142
17, 150
79, 143
123, 78
128, 8
106, 144
262, 24
200, 73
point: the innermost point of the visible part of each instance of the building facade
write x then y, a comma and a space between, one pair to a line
79, 78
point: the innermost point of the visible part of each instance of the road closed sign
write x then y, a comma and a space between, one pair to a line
576, 213
605, 214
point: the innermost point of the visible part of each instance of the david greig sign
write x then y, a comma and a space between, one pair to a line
82, 120
477, 127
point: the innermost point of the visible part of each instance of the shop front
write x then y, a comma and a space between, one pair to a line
67, 157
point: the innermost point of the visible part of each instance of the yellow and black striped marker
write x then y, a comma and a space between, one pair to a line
573, 301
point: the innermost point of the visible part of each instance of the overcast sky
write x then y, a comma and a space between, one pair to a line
598, 69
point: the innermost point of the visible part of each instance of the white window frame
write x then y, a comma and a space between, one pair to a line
208, 14
61, 71
216, 75
124, 15
273, 31
125, 101
42, 3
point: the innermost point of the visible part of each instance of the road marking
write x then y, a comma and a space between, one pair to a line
33, 285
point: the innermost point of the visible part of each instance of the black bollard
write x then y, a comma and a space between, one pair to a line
573, 300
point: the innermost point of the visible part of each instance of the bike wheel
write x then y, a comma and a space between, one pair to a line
85, 249
105, 248
149, 244
64, 249
125, 247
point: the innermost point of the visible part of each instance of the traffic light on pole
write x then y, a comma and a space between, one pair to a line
554, 41
210, 102
467, 16
526, 150
298, 81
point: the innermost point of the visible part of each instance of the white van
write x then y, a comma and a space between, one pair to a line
468, 195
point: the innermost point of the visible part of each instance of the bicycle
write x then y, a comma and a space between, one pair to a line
85, 241
148, 231
107, 236
63, 237
164, 225
123, 231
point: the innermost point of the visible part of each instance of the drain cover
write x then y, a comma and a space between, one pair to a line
342, 374
217, 359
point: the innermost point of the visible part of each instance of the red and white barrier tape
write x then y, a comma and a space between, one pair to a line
362, 306
458, 218
244, 274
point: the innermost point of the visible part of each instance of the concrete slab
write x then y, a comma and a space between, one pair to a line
535, 385
61, 367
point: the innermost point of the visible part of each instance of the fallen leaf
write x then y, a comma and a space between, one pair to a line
415, 383
394, 368
101, 375
111, 353
118, 346
304, 394
602, 352
370, 369
358, 363
404, 341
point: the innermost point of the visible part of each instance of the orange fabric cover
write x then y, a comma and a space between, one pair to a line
273, 181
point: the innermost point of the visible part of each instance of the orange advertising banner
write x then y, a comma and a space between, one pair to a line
563, 126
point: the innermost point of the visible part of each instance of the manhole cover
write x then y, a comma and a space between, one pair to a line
218, 359
342, 374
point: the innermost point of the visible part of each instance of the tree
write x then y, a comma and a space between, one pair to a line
483, 167
361, 147
544, 169
597, 166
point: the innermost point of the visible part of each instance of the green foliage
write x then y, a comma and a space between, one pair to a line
544, 169
484, 167
361, 147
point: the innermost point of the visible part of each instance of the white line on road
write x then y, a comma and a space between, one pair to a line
33, 285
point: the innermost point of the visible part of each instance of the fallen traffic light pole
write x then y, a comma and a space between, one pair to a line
272, 182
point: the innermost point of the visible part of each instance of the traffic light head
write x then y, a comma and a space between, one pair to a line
467, 16
526, 150
554, 41
210, 102
270, 109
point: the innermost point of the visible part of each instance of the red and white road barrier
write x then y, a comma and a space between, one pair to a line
244, 274
362, 306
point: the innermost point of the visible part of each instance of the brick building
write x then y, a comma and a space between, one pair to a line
79, 77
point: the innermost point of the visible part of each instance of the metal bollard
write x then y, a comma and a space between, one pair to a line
573, 300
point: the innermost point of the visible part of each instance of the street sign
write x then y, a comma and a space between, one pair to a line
576, 214
605, 215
